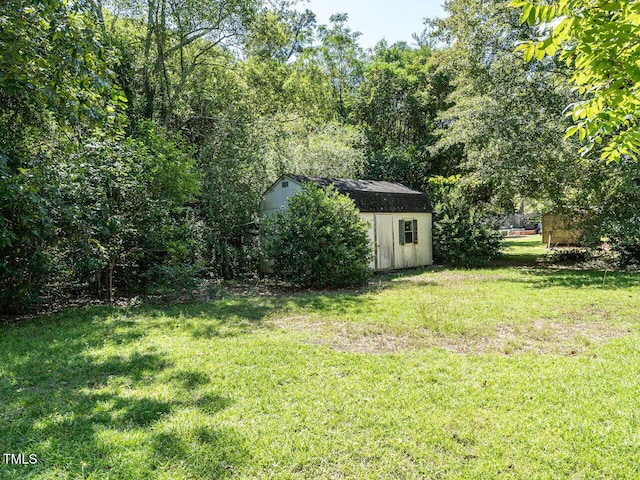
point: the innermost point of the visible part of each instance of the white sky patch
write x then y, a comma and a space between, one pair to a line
377, 19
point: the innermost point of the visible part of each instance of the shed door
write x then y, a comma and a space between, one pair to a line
384, 241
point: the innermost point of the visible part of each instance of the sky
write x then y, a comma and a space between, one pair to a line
394, 20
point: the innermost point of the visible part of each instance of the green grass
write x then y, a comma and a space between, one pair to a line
523, 251
502, 372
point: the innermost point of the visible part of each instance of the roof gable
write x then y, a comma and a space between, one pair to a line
372, 195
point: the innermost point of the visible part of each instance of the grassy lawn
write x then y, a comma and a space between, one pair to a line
525, 250
503, 372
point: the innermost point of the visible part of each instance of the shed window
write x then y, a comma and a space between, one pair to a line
408, 231
285, 184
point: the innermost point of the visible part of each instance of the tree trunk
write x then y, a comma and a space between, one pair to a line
149, 90
112, 266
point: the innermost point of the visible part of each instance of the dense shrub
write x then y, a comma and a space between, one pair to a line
609, 211
128, 224
318, 241
25, 225
233, 181
102, 216
569, 255
462, 233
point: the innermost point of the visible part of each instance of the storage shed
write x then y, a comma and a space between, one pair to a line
560, 229
399, 217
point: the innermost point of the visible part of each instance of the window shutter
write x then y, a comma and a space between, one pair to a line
415, 231
401, 231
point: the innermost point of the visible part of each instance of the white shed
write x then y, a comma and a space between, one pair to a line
399, 217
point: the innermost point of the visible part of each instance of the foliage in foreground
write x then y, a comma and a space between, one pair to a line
608, 215
319, 240
599, 39
463, 234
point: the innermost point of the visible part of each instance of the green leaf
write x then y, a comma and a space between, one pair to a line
529, 52
611, 7
551, 13
533, 15
526, 11
550, 50
571, 131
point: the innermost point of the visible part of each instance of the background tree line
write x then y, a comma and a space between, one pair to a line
136, 137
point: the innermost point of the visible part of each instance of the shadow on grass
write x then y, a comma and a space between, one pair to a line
533, 270
519, 260
92, 396
105, 416
237, 316
525, 252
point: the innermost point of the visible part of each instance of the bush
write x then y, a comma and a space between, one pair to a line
25, 229
462, 235
318, 241
569, 255
127, 223
609, 219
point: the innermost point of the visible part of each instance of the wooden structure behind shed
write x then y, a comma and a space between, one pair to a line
559, 229
399, 217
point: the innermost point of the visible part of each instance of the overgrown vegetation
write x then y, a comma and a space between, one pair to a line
318, 241
463, 234
137, 137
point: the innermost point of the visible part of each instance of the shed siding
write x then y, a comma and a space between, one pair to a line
557, 229
371, 235
276, 197
414, 254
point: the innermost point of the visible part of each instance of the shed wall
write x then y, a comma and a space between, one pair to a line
413, 254
369, 217
276, 198
408, 255
558, 230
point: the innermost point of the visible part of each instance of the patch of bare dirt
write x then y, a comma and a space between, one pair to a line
347, 337
540, 336
547, 336
444, 277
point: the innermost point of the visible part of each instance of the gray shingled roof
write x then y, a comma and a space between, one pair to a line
374, 196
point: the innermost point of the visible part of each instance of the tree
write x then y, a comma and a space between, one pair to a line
462, 232
280, 33
319, 240
234, 177
52, 58
328, 150
397, 105
176, 39
25, 230
125, 209
599, 39
54, 83
604, 203
506, 114
340, 58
